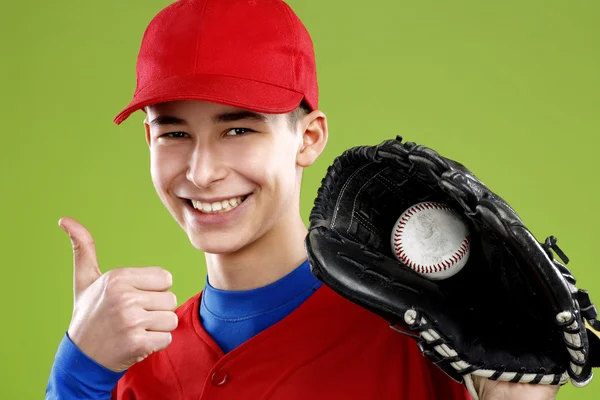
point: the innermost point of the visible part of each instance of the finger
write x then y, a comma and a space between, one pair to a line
157, 301
85, 261
150, 278
158, 340
161, 321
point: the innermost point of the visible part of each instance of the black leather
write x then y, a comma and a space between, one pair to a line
498, 312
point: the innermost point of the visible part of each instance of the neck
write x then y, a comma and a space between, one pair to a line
261, 262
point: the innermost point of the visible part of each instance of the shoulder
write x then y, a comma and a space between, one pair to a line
357, 324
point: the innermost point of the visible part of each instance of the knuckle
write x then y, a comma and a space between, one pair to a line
138, 344
130, 340
126, 299
128, 318
76, 247
114, 291
115, 276
80, 245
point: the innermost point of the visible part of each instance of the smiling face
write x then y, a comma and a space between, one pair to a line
227, 175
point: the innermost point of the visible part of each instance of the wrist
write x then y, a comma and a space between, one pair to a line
82, 369
497, 390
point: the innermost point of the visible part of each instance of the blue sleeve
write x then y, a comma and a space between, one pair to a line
76, 376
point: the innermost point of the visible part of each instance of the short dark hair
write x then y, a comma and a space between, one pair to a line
299, 112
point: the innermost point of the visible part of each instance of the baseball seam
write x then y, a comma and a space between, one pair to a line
426, 269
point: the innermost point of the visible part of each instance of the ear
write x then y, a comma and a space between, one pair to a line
314, 138
147, 129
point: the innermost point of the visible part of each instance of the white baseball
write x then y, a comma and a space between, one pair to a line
432, 239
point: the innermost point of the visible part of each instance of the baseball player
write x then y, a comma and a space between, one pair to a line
230, 94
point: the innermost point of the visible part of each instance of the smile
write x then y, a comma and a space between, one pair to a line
218, 206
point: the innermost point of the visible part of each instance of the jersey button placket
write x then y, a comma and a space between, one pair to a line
219, 378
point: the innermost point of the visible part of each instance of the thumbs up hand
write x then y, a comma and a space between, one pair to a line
122, 316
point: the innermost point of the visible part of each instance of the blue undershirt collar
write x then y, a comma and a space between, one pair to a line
232, 317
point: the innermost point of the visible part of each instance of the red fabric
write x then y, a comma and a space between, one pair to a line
255, 55
328, 348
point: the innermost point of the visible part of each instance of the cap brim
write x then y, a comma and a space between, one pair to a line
236, 92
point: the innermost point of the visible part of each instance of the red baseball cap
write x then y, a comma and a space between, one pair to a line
251, 54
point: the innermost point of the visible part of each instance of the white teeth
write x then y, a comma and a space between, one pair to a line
218, 206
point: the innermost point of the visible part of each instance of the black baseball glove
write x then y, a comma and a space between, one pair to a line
513, 313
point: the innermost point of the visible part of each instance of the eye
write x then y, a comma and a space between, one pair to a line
237, 131
174, 135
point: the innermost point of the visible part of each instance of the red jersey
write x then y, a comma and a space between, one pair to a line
328, 348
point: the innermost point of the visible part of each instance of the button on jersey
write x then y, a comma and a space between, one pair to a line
219, 378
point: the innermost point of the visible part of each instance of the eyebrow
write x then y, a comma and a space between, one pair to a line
218, 118
167, 120
239, 115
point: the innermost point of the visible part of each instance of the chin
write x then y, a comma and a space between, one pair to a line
216, 245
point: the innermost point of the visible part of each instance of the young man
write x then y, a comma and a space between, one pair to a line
230, 92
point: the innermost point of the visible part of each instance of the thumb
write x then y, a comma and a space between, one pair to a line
85, 262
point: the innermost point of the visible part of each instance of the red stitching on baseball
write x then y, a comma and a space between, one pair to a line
399, 247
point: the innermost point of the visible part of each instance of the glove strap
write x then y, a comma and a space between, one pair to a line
550, 243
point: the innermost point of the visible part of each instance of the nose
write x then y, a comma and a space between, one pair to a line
206, 167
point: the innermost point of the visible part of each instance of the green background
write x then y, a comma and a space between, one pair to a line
511, 89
